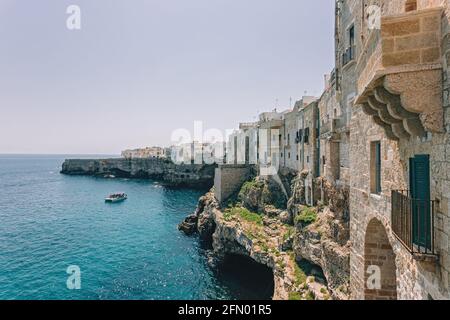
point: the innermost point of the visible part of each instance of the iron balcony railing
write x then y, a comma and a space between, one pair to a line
413, 222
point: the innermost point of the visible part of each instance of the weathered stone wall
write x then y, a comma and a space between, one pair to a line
329, 110
416, 40
414, 279
345, 171
164, 170
229, 179
309, 150
348, 16
290, 158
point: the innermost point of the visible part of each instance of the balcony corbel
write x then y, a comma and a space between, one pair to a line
400, 75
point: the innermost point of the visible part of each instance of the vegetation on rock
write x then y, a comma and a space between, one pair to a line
258, 193
295, 296
260, 222
244, 214
300, 275
306, 217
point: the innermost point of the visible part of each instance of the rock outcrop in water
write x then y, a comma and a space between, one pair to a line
163, 170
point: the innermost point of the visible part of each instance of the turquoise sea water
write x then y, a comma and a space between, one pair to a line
130, 250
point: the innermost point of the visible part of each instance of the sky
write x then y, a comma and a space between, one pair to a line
139, 69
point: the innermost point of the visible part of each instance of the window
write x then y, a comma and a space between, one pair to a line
375, 167
351, 36
289, 155
349, 54
306, 136
299, 136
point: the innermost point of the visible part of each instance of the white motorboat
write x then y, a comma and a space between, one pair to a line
116, 197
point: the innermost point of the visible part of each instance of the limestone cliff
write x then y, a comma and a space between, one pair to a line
306, 247
164, 170
261, 195
322, 235
265, 239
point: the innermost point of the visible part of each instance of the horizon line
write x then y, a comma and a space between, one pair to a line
56, 154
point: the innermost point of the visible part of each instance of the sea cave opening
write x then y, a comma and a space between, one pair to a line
312, 270
245, 278
118, 173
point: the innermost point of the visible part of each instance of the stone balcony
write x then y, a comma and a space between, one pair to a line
400, 74
272, 124
247, 125
332, 128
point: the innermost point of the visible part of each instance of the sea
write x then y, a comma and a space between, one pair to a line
59, 240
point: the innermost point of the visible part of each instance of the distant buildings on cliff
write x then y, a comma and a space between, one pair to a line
146, 153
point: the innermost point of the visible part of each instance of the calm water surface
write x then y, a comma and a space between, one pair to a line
130, 250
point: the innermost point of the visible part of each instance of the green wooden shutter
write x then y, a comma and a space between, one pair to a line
378, 167
420, 200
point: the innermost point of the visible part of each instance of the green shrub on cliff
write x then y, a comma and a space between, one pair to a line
247, 186
228, 215
310, 295
300, 275
244, 214
306, 217
289, 233
250, 194
295, 296
259, 193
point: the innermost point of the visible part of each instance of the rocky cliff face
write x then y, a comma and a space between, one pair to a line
201, 176
306, 247
262, 195
322, 236
265, 239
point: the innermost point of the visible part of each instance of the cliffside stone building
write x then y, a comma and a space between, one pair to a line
392, 80
381, 131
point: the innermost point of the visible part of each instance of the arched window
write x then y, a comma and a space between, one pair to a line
411, 5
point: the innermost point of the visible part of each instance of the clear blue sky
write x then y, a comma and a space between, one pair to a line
138, 69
